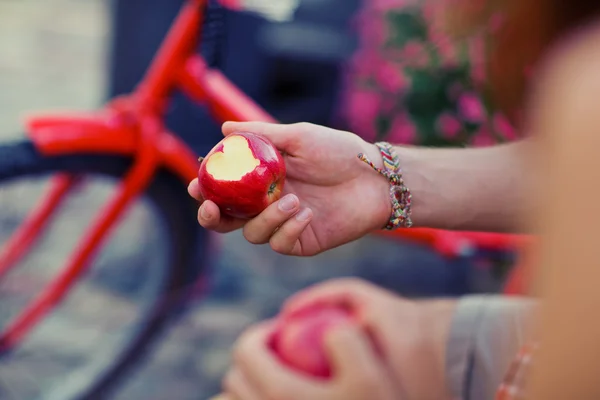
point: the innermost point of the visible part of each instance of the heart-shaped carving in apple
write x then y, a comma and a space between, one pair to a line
243, 174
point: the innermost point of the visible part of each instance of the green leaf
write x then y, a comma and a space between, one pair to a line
427, 95
382, 125
404, 27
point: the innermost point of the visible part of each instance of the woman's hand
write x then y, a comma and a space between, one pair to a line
359, 373
409, 336
330, 197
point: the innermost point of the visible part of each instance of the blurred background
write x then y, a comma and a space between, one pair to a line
319, 66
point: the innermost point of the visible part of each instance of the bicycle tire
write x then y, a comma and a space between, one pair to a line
189, 244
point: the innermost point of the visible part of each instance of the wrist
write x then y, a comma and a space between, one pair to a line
383, 205
413, 177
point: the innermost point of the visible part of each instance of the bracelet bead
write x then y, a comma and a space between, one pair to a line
400, 195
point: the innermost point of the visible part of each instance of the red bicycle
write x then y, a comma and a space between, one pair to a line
123, 161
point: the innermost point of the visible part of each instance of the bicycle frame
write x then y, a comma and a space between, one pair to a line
132, 125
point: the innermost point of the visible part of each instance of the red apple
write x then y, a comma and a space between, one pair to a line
242, 174
299, 338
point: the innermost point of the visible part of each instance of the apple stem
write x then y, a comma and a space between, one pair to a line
200, 159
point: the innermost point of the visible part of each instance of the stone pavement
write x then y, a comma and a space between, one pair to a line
52, 55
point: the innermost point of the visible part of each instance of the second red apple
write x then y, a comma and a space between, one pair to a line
299, 338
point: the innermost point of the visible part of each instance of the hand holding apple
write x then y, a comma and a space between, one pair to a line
318, 347
335, 361
329, 196
411, 335
299, 338
242, 175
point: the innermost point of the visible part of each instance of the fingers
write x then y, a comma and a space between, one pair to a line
259, 229
351, 292
351, 352
284, 137
286, 240
194, 190
280, 224
270, 378
356, 364
237, 386
209, 216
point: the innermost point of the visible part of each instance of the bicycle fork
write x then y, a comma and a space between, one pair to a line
29, 231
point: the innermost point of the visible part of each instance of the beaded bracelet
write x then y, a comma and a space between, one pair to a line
399, 193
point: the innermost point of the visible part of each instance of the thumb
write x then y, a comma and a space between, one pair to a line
284, 137
351, 351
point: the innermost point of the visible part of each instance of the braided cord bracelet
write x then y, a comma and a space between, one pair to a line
400, 194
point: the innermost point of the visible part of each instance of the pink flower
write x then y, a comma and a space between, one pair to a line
365, 62
390, 77
478, 73
362, 108
503, 127
429, 11
386, 5
445, 47
373, 32
364, 104
414, 53
483, 138
388, 103
434, 14
470, 108
449, 126
402, 131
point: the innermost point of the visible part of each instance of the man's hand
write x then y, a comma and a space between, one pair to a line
330, 196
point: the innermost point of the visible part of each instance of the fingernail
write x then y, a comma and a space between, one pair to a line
304, 215
204, 213
288, 203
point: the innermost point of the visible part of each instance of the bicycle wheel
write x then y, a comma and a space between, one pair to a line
118, 305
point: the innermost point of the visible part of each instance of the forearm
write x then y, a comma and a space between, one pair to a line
466, 189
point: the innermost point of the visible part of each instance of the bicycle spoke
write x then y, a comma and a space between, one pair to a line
88, 327
30, 229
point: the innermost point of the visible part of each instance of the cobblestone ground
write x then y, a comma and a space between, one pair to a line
52, 55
